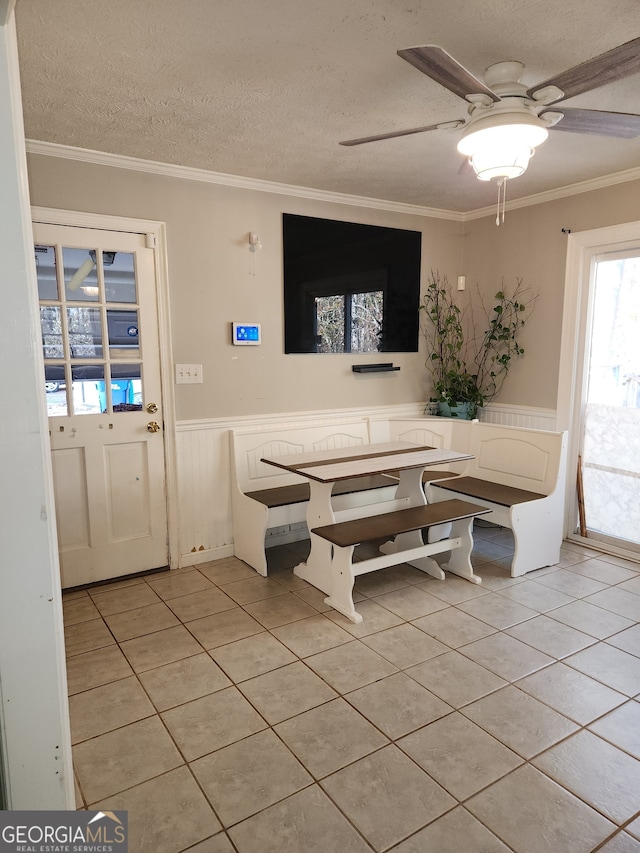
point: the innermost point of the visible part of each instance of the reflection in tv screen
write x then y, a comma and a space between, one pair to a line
349, 287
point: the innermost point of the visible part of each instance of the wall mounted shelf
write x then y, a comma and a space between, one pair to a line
385, 367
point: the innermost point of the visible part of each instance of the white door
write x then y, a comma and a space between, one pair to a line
102, 377
610, 414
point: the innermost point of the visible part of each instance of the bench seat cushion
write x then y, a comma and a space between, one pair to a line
299, 492
496, 493
389, 524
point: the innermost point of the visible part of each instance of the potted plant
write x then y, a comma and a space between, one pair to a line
468, 365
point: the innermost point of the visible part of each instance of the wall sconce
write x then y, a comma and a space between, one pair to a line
254, 242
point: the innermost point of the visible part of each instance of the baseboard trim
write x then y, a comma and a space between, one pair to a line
194, 558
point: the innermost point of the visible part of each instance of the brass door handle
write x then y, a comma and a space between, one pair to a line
153, 426
151, 408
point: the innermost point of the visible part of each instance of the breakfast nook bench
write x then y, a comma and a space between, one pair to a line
268, 499
404, 528
518, 474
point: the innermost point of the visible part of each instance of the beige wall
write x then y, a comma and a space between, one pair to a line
214, 279
530, 245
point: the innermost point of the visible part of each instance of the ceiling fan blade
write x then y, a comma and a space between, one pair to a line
392, 135
444, 69
613, 65
623, 125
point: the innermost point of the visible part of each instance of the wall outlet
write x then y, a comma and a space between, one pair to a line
188, 374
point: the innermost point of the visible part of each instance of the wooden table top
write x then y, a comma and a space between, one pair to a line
345, 463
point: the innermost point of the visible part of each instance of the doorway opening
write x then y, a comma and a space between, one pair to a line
599, 389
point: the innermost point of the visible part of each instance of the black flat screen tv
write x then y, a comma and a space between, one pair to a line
350, 287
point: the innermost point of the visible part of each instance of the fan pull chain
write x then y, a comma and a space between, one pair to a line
504, 199
502, 190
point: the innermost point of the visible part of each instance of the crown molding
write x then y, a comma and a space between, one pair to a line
101, 158
562, 192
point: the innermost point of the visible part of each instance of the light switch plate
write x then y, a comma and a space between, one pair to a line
187, 374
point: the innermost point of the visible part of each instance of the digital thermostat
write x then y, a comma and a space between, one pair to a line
246, 334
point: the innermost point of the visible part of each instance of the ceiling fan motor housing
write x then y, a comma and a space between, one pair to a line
504, 78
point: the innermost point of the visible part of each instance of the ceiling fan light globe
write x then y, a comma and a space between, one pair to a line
484, 136
503, 162
501, 150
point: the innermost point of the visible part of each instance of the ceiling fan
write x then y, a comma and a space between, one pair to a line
506, 120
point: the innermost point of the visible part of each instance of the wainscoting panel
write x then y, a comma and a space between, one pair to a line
204, 492
204, 469
520, 416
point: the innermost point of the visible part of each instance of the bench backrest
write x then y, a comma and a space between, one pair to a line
442, 433
436, 433
529, 459
249, 446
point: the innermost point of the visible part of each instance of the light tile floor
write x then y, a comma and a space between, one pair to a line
228, 712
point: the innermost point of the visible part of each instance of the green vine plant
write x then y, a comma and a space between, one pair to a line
469, 364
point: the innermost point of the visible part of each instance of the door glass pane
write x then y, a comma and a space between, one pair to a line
123, 333
51, 325
95, 321
88, 389
611, 463
80, 277
84, 330
126, 387
46, 272
119, 277
55, 386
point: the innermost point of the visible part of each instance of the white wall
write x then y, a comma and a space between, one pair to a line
532, 245
34, 724
214, 279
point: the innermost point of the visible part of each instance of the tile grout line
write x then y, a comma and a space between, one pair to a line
343, 696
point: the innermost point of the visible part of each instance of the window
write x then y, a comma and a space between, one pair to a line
350, 322
90, 324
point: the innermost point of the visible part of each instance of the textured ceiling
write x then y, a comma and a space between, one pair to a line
267, 88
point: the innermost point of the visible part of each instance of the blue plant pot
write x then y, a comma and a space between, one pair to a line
462, 411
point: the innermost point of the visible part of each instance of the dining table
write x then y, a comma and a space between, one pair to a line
404, 461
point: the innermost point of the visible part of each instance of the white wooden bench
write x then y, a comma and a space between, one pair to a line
441, 433
519, 475
265, 497
405, 527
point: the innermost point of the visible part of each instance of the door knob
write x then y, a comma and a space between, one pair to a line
153, 426
151, 408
